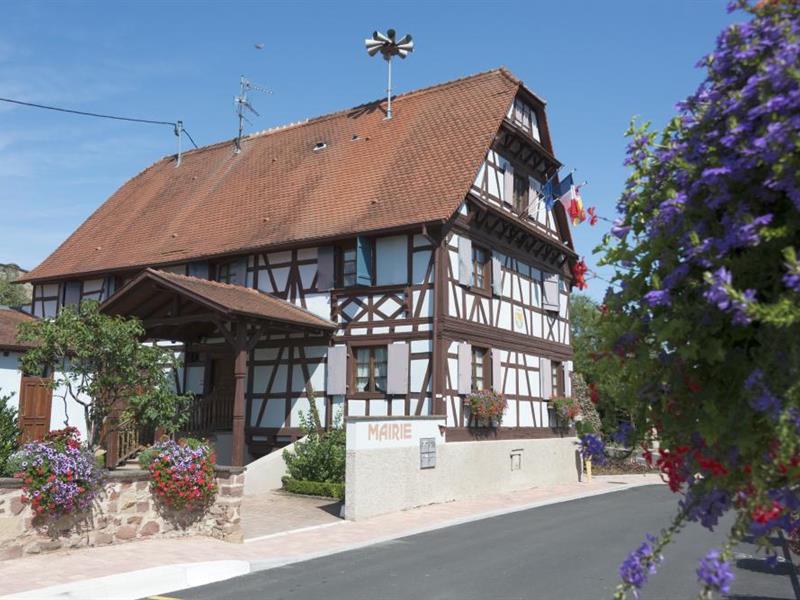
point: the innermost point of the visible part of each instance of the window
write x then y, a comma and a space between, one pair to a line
224, 272
371, 369
557, 374
481, 275
479, 368
520, 199
347, 265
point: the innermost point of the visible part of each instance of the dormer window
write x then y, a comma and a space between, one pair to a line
320, 146
525, 117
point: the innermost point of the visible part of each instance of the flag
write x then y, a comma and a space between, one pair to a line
548, 194
563, 186
575, 209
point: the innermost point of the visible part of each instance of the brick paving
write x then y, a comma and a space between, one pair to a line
34, 572
275, 512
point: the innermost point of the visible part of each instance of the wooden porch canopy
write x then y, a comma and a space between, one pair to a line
187, 309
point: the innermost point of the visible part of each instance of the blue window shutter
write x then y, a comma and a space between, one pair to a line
325, 268
72, 293
497, 275
198, 269
363, 261
239, 271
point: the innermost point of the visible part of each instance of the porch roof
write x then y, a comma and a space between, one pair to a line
180, 307
10, 319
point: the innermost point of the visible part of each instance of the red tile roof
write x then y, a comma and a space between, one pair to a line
9, 320
225, 298
415, 168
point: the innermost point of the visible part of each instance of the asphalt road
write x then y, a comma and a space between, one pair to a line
567, 551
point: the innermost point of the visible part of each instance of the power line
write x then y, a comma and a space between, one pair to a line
99, 115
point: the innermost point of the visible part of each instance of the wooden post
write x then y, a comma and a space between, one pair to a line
239, 372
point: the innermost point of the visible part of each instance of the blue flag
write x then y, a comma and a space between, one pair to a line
563, 187
547, 192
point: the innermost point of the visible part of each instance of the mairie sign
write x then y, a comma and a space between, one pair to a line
382, 432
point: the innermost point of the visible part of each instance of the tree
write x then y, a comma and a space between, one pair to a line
703, 319
11, 294
100, 363
9, 433
587, 318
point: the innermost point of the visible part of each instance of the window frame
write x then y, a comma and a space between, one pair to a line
372, 391
218, 269
557, 379
486, 370
341, 251
483, 270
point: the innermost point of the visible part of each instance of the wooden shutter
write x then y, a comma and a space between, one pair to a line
397, 368
239, 271
325, 268
497, 372
464, 368
534, 189
363, 261
497, 275
198, 269
546, 374
336, 380
464, 260
508, 184
550, 293
568, 378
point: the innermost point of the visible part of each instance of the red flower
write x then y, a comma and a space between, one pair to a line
594, 394
592, 216
579, 270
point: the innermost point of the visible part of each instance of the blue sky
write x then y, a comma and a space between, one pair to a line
596, 63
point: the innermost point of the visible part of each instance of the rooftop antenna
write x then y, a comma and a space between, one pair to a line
242, 104
389, 48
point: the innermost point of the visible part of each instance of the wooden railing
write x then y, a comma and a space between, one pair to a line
213, 412
124, 443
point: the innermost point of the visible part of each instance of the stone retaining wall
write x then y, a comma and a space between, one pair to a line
125, 510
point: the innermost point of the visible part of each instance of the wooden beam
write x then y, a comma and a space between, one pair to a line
180, 320
239, 373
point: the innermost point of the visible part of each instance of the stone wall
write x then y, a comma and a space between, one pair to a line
125, 510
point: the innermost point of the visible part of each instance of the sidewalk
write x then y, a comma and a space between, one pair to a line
73, 567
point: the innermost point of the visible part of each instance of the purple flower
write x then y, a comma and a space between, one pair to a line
720, 294
623, 434
640, 564
620, 230
593, 448
657, 298
761, 398
715, 573
706, 507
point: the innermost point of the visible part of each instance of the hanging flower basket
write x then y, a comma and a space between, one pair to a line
486, 408
568, 411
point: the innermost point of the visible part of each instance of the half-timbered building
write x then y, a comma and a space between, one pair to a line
384, 267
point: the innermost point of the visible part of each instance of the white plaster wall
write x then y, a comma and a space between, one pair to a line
10, 376
264, 474
463, 470
67, 413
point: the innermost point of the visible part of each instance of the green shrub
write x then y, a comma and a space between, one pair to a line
321, 455
9, 435
314, 488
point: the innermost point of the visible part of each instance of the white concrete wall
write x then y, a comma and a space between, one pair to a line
383, 480
265, 473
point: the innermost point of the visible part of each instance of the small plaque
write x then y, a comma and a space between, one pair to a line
427, 453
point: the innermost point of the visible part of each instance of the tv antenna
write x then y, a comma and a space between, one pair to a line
389, 48
242, 104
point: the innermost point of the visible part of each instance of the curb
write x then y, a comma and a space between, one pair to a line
141, 583
173, 578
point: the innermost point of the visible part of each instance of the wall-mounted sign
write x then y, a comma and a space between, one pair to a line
382, 432
427, 453
519, 319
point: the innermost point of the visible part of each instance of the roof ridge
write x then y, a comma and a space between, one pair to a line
325, 116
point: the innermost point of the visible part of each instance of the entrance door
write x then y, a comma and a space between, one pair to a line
35, 402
